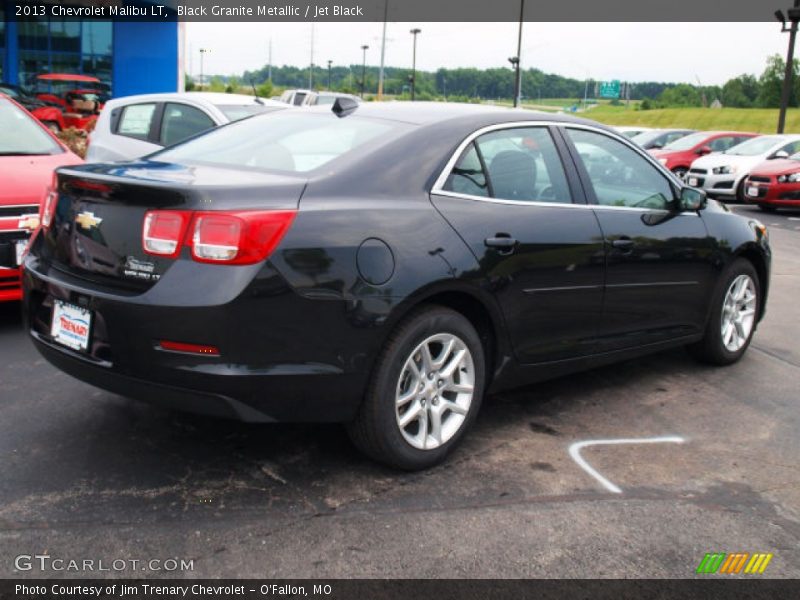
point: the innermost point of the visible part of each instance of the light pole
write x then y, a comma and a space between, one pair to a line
794, 17
518, 58
514, 60
203, 52
383, 50
330, 62
364, 48
416, 31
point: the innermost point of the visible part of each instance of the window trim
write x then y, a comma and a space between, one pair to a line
562, 151
559, 126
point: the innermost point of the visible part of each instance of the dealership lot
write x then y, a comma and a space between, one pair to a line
88, 475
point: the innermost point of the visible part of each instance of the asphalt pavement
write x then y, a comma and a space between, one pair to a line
90, 475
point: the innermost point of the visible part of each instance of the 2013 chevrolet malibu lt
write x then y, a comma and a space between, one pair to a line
384, 266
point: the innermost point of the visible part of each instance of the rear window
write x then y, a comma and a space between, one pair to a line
287, 142
237, 112
21, 135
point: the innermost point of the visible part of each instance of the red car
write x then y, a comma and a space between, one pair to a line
680, 154
80, 97
29, 153
774, 183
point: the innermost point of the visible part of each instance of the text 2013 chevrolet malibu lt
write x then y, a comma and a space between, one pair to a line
383, 266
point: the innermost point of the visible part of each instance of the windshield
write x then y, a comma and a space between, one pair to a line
292, 142
756, 146
686, 143
647, 136
21, 135
236, 112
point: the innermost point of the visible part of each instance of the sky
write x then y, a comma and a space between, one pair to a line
669, 52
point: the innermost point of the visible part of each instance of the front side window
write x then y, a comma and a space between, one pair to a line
619, 175
181, 122
723, 143
517, 164
136, 120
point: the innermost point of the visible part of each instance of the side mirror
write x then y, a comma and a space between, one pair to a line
780, 154
692, 199
702, 151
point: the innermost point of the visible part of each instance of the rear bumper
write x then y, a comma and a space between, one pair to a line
281, 355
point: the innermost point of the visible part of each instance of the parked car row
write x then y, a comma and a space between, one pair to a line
729, 165
313, 98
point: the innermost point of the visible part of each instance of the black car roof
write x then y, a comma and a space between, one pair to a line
427, 113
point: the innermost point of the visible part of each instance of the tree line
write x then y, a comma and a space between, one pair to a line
466, 84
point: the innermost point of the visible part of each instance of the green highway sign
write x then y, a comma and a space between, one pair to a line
609, 89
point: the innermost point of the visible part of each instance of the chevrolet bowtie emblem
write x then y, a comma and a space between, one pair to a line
28, 222
87, 220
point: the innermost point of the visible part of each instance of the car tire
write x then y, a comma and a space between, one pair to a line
716, 347
680, 173
740, 193
418, 373
767, 208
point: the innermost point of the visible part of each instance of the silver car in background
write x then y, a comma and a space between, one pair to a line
135, 126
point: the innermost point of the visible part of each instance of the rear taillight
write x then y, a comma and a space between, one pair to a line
49, 203
238, 238
221, 237
164, 231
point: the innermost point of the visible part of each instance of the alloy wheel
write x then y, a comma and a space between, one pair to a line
738, 313
435, 391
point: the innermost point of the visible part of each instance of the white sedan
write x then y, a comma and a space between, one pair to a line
722, 175
135, 126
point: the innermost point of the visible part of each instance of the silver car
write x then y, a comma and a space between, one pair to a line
135, 126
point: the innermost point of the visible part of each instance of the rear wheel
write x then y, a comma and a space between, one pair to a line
733, 316
425, 391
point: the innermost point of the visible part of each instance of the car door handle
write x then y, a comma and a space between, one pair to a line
503, 241
625, 244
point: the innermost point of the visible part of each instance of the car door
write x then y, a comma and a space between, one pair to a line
658, 260
539, 246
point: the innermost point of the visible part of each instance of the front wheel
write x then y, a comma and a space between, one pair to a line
425, 391
680, 172
734, 315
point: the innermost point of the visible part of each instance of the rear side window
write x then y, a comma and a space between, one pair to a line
467, 177
136, 120
512, 164
181, 122
283, 142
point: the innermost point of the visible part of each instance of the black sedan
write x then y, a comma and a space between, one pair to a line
384, 266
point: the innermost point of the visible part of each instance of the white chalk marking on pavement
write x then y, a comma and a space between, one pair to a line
575, 453
794, 218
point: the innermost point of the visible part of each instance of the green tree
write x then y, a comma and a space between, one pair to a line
771, 83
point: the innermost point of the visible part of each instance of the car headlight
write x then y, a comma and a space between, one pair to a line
663, 161
791, 178
725, 170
